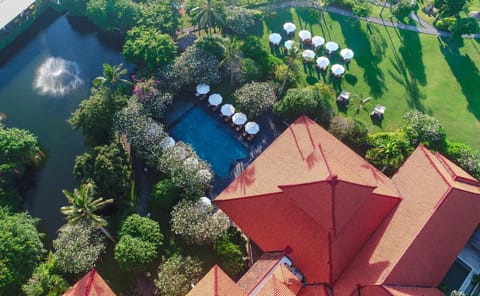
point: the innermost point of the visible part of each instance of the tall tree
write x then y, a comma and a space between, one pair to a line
83, 207
208, 16
291, 57
112, 76
231, 49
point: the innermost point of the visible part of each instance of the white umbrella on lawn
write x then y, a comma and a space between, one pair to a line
289, 27
308, 54
167, 142
227, 110
275, 38
252, 128
215, 99
318, 41
203, 89
338, 70
304, 35
323, 62
239, 118
331, 46
289, 44
346, 53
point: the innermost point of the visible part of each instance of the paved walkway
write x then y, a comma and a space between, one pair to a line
425, 29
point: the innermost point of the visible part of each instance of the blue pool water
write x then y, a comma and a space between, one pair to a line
208, 137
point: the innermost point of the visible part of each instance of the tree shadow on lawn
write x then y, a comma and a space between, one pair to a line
405, 71
366, 57
275, 20
465, 71
307, 18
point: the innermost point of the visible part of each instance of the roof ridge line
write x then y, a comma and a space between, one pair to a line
434, 165
455, 177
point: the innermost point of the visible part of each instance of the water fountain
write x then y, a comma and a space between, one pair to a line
57, 77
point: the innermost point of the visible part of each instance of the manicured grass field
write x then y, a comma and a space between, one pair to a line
401, 70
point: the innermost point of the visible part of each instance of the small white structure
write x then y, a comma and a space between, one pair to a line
204, 202
275, 38
318, 41
308, 55
215, 99
239, 118
227, 110
167, 142
252, 128
323, 62
289, 27
304, 35
346, 54
203, 89
289, 44
331, 47
338, 70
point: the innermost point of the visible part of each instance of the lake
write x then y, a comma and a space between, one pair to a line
43, 77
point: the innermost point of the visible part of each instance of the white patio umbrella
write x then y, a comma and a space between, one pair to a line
239, 118
215, 99
289, 44
331, 46
203, 89
167, 142
308, 54
323, 62
204, 202
275, 38
252, 128
227, 110
338, 70
304, 35
346, 53
318, 41
289, 27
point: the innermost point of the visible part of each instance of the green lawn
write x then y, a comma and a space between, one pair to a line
401, 70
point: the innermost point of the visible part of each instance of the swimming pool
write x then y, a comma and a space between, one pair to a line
207, 135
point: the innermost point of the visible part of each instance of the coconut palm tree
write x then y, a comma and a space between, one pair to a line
361, 104
208, 16
83, 207
291, 56
232, 52
112, 76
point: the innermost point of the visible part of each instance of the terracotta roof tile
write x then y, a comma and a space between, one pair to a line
92, 284
258, 270
216, 283
413, 291
282, 283
314, 290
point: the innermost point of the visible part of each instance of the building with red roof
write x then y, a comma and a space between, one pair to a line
332, 224
92, 284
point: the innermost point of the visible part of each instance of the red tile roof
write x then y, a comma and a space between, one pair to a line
315, 290
216, 283
412, 291
257, 271
282, 283
92, 284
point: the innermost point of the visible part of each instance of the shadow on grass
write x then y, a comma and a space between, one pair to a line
465, 71
275, 20
367, 57
307, 18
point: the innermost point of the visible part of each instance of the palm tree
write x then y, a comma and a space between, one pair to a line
83, 207
392, 154
361, 105
208, 16
112, 76
232, 52
291, 57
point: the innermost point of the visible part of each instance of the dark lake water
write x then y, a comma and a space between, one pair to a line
72, 54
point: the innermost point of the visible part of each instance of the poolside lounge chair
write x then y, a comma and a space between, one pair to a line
343, 98
378, 112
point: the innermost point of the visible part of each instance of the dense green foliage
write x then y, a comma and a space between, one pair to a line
77, 247
388, 150
240, 21
148, 48
161, 15
450, 7
177, 274
164, 194
140, 238
422, 128
230, 248
108, 167
402, 8
21, 249
46, 280
19, 149
112, 15
466, 157
351, 131
74, 7
197, 223
94, 115
155, 102
209, 15
255, 98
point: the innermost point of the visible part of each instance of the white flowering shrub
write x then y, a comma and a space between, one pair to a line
177, 274
154, 102
240, 20
255, 98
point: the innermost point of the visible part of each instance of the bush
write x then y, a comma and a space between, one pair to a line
164, 194
212, 45
154, 102
239, 20
280, 72
230, 248
467, 25
422, 128
177, 274
255, 98
465, 157
251, 71
351, 131
388, 150
197, 224
402, 8
446, 24
46, 280
361, 7
142, 228
19, 149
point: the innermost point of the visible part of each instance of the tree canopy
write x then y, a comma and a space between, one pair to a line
177, 274
112, 15
18, 149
